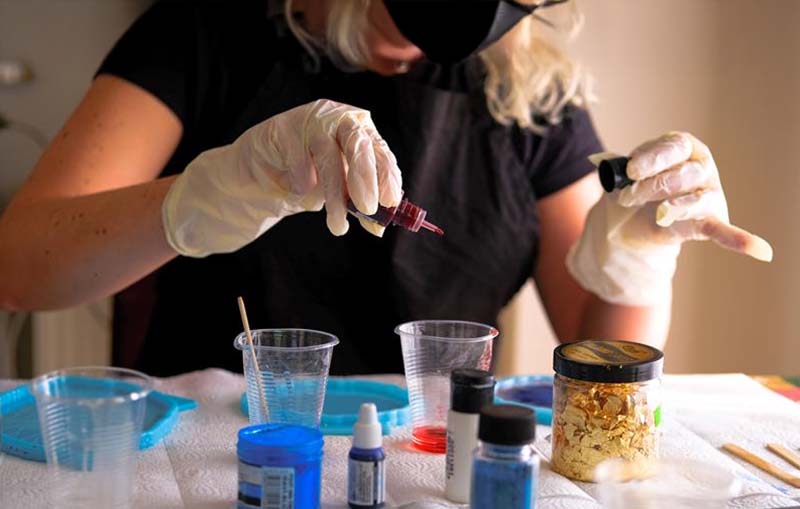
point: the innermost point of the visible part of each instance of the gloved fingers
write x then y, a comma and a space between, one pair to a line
695, 205
311, 202
700, 151
353, 136
332, 176
373, 228
660, 154
725, 235
682, 178
390, 180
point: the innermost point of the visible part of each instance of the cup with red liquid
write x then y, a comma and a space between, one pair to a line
431, 350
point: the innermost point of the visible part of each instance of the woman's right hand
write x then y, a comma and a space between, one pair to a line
319, 154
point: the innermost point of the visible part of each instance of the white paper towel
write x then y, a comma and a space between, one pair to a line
195, 466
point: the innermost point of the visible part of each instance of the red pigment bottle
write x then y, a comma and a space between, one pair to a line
406, 215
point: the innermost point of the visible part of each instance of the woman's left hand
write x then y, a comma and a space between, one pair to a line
632, 237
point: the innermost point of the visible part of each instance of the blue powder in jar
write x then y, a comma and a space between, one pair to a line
507, 481
280, 467
505, 466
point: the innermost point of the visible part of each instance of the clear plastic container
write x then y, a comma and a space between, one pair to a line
293, 365
666, 484
91, 421
606, 404
431, 350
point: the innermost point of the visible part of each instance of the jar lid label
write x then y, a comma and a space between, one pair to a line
609, 352
608, 361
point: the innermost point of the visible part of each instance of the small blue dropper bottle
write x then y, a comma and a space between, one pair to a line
366, 478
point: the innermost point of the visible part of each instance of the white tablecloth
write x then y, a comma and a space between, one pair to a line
195, 466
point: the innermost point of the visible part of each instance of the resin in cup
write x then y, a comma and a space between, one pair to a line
430, 438
431, 350
293, 364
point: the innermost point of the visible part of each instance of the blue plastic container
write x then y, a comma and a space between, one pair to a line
532, 391
280, 465
21, 433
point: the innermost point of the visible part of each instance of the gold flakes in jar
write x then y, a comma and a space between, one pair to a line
605, 405
593, 422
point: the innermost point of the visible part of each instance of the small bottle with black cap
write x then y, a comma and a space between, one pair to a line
505, 466
470, 391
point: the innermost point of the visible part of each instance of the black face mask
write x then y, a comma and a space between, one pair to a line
448, 31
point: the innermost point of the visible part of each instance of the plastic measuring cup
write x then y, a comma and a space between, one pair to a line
667, 484
293, 364
91, 423
431, 350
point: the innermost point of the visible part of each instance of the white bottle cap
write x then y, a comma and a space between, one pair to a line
367, 431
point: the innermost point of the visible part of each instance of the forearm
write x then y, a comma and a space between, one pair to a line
602, 320
57, 252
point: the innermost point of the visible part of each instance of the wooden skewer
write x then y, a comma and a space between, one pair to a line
787, 454
246, 325
762, 464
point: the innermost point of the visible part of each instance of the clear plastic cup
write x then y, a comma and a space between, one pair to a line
91, 422
667, 484
431, 350
293, 364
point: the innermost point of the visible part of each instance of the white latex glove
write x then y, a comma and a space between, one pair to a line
317, 154
632, 237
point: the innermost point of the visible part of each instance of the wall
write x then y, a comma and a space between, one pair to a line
727, 71
737, 314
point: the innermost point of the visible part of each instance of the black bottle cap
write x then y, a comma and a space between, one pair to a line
608, 361
470, 390
507, 425
613, 174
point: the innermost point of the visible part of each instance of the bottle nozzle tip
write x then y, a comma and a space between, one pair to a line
368, 413
432, 227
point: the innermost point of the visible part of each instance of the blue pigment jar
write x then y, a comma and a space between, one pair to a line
505, 466
280, 465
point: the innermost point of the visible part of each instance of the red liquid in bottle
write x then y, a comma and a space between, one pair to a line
430, 438
406, 215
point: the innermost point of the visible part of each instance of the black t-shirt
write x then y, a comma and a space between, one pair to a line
225, 66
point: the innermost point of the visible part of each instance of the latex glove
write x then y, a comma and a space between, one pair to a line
321, 153
632, 237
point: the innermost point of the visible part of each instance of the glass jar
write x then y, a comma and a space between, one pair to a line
606, 404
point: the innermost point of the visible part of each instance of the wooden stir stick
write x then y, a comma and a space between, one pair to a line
762, 464
246, 325
787, 454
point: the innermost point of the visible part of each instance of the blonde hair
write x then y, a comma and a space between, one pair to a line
529, 80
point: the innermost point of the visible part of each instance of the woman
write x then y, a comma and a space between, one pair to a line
211, 126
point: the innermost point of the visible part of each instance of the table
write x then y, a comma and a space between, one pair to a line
195, 466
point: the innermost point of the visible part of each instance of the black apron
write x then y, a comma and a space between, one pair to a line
457, 163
